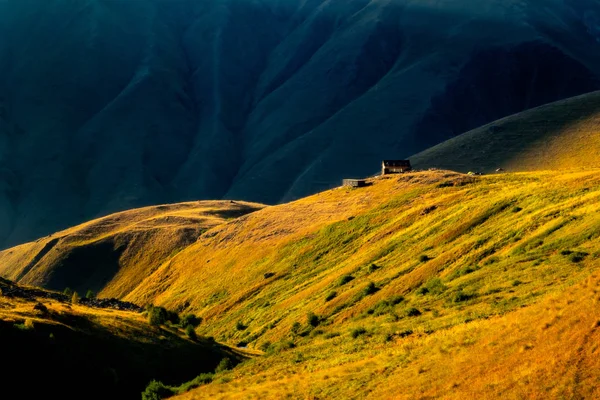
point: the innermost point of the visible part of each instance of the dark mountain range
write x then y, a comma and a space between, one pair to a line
113, 104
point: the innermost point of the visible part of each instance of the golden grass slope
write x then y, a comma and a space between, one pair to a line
423, 285
463, 269
112, 255
561, 135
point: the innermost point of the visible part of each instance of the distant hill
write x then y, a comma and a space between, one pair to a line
561, 135
112, 105
428, 284
113, 255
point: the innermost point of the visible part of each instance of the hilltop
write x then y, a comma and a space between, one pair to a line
561, 135
426, 284
114, 254
107, 106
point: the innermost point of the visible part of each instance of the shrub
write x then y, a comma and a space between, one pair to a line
266, 346
396, 300
461, 296
296, 326
190, 332
157, 390
356, 332
370, 289
224, 365
413, 312
68, 291
577, 256
191, 319
422, 291
200, 380
516, 282
75, 298
157, 316
331, 296
517, 209
345, 279
90, 295
373, 268
424, 258
312, 319
433, 286
240, 326
269, 275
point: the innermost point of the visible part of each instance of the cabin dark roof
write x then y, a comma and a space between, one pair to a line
396, 163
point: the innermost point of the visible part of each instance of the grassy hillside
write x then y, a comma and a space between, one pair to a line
462, 287
428, 284
54, 348
562, 135
112, 255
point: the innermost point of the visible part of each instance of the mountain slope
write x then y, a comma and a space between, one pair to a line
411, 285
58, 349
562, 135
107, 106
112, 255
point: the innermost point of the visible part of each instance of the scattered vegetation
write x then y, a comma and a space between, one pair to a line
160, 316
357, 332
370, 289
330, 296
345, 279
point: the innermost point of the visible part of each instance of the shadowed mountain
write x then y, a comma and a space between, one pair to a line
111, 105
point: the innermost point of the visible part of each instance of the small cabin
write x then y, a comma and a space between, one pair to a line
355, 182
395, 167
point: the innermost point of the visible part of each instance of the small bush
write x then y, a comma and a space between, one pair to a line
459, 297
269, 275
413, 312
373, 268
345, 279
157, 390
355, 333
370, 289
578, 256
266, 346
224, 365
90, 295
75, 298
517, 209
157, 316
422, 291
191, 319
198, 381
516, 282
68, 291
394, 300
296, 326
330, 296
424, 258
312, 319
240, 326
331, 335
191, 332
